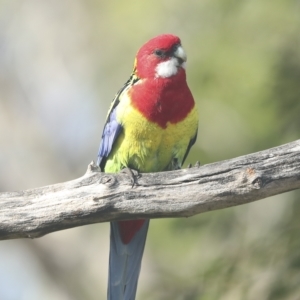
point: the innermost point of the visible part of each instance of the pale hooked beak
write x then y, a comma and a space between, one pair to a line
180, 55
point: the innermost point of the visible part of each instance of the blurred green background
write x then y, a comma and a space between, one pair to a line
62, 61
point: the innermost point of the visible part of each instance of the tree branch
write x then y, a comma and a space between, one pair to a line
99, 197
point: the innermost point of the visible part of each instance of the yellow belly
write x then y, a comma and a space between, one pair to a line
147, 147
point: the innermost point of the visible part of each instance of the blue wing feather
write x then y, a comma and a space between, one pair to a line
112, 128
111, 131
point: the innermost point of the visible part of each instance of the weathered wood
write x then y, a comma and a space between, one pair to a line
99, 197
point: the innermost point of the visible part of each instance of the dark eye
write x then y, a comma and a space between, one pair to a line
159, 53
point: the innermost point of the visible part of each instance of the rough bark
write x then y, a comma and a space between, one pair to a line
99, 197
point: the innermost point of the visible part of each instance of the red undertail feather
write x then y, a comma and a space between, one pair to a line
128, 229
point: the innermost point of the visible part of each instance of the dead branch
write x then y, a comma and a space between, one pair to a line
99, 197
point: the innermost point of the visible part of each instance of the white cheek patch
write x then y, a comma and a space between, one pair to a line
167, 68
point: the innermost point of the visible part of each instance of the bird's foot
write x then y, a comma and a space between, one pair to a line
133, 174
197, 165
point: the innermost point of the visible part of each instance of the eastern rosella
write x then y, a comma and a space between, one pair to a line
151, 125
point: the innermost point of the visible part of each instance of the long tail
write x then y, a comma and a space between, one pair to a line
127, 242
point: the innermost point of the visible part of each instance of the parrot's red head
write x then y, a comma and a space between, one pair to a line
162, 56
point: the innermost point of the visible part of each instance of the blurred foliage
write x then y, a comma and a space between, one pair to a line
61, 63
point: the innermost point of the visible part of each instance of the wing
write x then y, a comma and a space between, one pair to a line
191, 143
111, 131
112, 128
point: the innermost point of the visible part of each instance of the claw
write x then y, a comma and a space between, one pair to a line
197, 164
133, 174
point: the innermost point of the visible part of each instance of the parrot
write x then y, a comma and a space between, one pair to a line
151, 125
